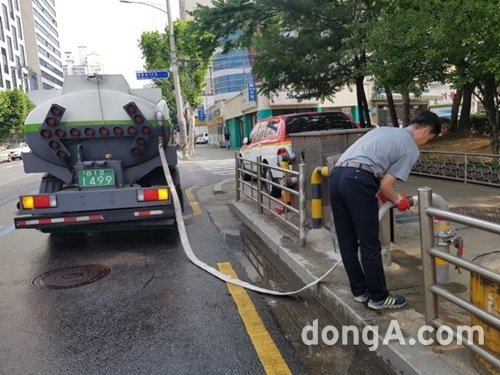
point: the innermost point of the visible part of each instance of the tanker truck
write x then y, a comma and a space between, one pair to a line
97, 142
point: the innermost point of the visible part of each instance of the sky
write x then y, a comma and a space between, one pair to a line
112, 30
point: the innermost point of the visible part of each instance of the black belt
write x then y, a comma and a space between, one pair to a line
353, 164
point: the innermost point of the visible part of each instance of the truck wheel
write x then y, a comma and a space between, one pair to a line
181, 195
50, 184
177, 183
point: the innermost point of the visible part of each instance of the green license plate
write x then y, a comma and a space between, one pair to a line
96, 177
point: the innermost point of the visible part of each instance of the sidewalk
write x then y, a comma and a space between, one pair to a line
209, 152
403, 276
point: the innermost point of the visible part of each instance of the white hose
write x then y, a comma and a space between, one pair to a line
194, 259
383, 209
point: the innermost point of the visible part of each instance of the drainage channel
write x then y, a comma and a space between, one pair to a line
292, 314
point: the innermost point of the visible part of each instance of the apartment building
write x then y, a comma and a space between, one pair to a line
83, 64
13, 71
41, 38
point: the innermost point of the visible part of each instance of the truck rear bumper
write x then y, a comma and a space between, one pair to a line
137, 218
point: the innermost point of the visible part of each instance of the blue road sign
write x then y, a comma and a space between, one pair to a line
201, 113
152, 74
252, 93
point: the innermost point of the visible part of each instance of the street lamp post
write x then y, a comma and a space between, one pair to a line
174, 68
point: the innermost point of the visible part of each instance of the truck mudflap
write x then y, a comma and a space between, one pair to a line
138, 217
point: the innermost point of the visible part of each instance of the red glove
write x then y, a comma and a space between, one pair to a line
381, 197
403, 203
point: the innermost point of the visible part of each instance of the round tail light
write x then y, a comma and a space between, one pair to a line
104, 131
54, 145
89, 132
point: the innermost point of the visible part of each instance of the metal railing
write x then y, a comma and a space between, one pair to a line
430, 252
467, 167
260, 193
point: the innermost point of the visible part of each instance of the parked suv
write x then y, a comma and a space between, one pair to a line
271, 137
18, 150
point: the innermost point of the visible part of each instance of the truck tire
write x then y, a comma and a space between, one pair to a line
177, 182
50, 184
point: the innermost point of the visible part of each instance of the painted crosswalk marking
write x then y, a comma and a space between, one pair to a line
223, 167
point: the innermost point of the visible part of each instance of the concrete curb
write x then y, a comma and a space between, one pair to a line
401, 359
218, 187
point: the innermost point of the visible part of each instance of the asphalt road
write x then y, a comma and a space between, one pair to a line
154, 313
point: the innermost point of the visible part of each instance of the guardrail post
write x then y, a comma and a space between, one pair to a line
427, 242
466, 162
260, 201
238, 176
302, 204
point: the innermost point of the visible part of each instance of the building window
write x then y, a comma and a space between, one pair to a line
234, 59
6, 17
9, 49
14, 77
23, 55
232, 83
2, 36
11, 10
14, 34
7, 84
4, 61
19, 28
1, 78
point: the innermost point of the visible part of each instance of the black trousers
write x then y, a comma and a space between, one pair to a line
355, 214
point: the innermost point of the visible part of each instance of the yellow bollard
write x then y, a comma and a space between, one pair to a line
443, 231
485, 294
316, 202
286, 196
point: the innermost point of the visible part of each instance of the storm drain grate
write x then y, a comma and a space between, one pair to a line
71, 277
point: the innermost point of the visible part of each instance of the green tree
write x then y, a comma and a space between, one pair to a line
296, 45
194, 49
14, 108
398, 41
416, 42
467, 39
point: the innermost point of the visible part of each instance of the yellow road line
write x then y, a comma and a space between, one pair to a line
266, 349
195, 206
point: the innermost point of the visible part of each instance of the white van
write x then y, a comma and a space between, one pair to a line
202, 138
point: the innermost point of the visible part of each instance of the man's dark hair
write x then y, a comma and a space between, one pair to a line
427, 119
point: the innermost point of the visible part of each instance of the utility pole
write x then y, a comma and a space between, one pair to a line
177, 85
174, 69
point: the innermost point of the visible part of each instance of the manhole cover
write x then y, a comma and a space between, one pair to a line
71, 277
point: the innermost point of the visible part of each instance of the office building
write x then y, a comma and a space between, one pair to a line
186, 6
43, 56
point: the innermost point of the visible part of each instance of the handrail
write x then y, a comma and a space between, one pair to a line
430, 252
460, 166
260, 194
